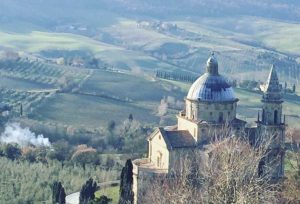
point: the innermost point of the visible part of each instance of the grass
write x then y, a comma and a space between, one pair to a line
42, 74
110, 192
89, 111
111, 96
22, 84
116, 95
128, 31
125, 86
37, 41
280, 35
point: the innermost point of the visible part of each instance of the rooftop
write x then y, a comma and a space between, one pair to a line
177, 138
211, 86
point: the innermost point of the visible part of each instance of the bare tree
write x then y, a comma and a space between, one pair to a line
229, 170
291, 188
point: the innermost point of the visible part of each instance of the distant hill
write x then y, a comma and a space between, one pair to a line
281, 9
138, 38
60, 10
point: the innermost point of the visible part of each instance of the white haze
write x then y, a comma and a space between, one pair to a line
14, 133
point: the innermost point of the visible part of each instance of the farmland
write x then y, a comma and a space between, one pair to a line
85, 75
107, 68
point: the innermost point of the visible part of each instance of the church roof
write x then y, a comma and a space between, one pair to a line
273, 88
272, 82
178, 138
211, 86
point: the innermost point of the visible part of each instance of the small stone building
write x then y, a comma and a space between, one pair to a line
209, 106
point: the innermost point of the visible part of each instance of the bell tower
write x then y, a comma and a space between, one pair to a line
272, 123
272, 100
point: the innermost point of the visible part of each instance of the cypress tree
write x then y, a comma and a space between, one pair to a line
130, 117
21, 109
126, 193
294, 88
62, 196
56, 192
87, 192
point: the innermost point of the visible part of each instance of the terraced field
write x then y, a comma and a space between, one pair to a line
29, 100
38, 74
96, 96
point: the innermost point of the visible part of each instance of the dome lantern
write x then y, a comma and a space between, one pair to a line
212, 65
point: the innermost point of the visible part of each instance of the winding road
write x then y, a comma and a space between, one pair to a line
74, 197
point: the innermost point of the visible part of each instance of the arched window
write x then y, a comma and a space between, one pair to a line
159, 159
275, 117
220, 117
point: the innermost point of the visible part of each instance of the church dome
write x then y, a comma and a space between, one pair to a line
211, 86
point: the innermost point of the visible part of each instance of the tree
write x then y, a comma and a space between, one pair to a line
94, 63
58, 193
126, 193
226, 173
101, 200
61, 151
294, 88
130, 117
87, 192
28, 154
292, 183
11, 151
62, 197
111, 126
21, 109
85, 155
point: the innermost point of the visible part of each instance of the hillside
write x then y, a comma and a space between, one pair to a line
110, 64
93, 78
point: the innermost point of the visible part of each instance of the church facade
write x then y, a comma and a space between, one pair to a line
209, 106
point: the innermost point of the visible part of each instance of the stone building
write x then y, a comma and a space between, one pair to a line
209, 106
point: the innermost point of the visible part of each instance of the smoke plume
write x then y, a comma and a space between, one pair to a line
14, 133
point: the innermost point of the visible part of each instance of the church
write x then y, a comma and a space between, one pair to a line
209, 105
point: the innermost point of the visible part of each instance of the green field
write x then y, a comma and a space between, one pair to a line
38, 41
127, 87
135, 53
89, 111
110, 192
23, 84
106, 96
238, 42
38, 73
280, 35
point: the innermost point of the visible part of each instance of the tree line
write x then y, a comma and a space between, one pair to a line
175, 76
